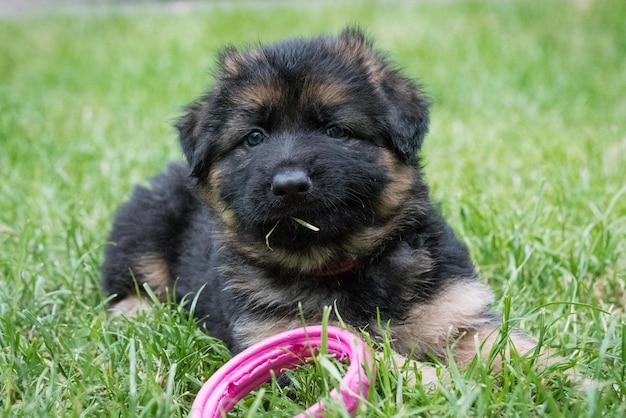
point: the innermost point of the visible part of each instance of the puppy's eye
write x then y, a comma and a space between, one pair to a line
336, 132
254, 138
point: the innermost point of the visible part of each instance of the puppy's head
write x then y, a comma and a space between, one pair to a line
322, 130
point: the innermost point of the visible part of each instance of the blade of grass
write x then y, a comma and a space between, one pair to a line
305, 224
267, 236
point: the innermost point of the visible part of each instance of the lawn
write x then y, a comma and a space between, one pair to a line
526, 153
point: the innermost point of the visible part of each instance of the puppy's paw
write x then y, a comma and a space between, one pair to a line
131, 307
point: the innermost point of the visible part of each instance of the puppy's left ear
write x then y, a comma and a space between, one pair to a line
407, 106
194, 134
407, 116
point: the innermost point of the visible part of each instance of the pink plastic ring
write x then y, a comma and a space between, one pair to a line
255, 366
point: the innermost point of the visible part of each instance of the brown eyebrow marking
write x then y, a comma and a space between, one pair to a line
260, 94
324, 93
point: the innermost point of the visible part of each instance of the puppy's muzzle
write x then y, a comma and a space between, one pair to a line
291, 184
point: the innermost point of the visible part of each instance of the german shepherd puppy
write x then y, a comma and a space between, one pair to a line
302, 188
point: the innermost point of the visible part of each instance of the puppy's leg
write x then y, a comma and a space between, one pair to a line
149, 271
458, 321
483, 341
146, 238
463, 352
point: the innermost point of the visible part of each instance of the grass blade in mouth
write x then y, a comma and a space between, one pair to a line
306, 224
297, 220
267, 236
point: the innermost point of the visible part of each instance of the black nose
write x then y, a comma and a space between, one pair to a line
291, 183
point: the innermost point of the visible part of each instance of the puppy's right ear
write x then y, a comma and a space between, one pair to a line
194, 133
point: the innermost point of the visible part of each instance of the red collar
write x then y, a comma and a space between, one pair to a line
342, 267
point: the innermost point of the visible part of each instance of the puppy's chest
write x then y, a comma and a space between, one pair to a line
388, 286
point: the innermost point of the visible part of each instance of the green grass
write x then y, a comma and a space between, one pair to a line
527, 154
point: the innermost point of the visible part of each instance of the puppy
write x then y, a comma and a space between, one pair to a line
302, 188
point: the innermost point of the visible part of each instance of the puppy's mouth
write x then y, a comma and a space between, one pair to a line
296, 211
290, 228
291, 207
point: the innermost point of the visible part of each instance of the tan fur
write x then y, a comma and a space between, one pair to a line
393, 198
259, 95
324, 93
436, 324
455, 320
130, 306
211, 196
360, 51
151, 270
400, 188
154, 271
362, 242
315, 258
375, 70
482, 342
233, 61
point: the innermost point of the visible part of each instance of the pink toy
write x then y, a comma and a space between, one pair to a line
254, 366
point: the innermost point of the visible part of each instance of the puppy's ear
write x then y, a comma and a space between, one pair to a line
407, 116
194, 134
406, 104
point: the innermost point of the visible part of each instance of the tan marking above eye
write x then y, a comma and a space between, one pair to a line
262, 95
323, 93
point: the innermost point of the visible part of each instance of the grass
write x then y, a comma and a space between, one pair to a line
526, 154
